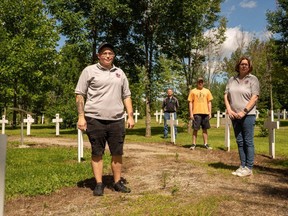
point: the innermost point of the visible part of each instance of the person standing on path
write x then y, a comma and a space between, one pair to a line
241, 94
169, 105
200, 108
105, 89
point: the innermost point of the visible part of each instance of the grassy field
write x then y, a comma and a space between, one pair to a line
27, 168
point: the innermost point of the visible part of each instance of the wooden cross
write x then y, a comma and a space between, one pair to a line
157, 114
42, 119
172, 122
271, 125
3, 121
125, 116
161, 115
57, 120
80, 145
136, 115
29, 122
284, 114
227, 131
3, 145
218, 116
257, 114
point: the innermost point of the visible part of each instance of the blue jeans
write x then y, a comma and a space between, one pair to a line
167, 117
244, 134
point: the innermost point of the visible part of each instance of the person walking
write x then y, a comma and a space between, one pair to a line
169, 106
105, 89
241, 94
200, 108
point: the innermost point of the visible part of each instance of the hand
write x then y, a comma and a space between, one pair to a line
130, 123
192, 117
82, 124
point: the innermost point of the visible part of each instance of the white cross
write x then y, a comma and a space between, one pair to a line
278, 115
271, 125
29, 122
227, 132
3, 121
42, 119
284, 114
161, 115
3, 145
57, 120
257, 114
172, 122
80, 145
218, 116
136, 115
157, 114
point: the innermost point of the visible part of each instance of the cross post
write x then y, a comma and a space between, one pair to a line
3, 145
157, 114
29, 122
284, 114
172, 123
80, 145
271, 125
161, 115
3, 121
57, 120
227, 131
136, 115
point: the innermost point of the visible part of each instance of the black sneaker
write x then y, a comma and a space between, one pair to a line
207, 146
120, 187
99, 189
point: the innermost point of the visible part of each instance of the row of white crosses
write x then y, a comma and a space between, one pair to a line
29, 121
136, 114
279, 114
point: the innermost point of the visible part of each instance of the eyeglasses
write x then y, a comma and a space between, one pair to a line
107, 54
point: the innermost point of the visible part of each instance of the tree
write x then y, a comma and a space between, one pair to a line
28, 41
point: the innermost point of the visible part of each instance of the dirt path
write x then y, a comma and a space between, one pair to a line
162, 168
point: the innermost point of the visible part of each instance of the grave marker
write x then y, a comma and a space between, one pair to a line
42, 119
3, 145
136, 115
157, 115
172, 122
29, 122
227, 132
271, 125
3, 121
218, 116
80, 145
284, 114
57, 120
161, 115
125, 116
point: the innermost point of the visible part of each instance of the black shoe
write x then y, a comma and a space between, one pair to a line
120, 187
193, 146
99, 189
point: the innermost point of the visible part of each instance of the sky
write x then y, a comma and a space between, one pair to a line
247, 16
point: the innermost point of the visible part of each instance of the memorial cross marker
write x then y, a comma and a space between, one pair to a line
3, 122
80, 145
3, 145
161, 115
29, 122
172, 122
284, 114
42, 119
227, 132
57, 120
136, 115
125, 116
271, 125
157, 115
218, 116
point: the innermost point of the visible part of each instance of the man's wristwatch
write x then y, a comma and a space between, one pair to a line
246, 110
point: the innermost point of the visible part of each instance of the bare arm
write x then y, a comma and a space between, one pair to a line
129, 109
210, 109
81, 124
191, 110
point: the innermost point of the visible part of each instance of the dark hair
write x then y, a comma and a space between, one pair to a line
239, 62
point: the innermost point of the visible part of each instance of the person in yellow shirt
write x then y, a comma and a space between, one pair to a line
200, 107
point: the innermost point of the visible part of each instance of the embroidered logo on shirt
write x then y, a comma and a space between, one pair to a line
118, 75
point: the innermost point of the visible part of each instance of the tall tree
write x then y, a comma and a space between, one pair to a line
28, 41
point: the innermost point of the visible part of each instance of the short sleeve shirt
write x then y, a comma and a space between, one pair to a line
200, 100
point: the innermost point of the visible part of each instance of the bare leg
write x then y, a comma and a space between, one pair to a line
205, 136
97, 167
116, 165
194, 137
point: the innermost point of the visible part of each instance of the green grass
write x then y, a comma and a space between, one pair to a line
42, 170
